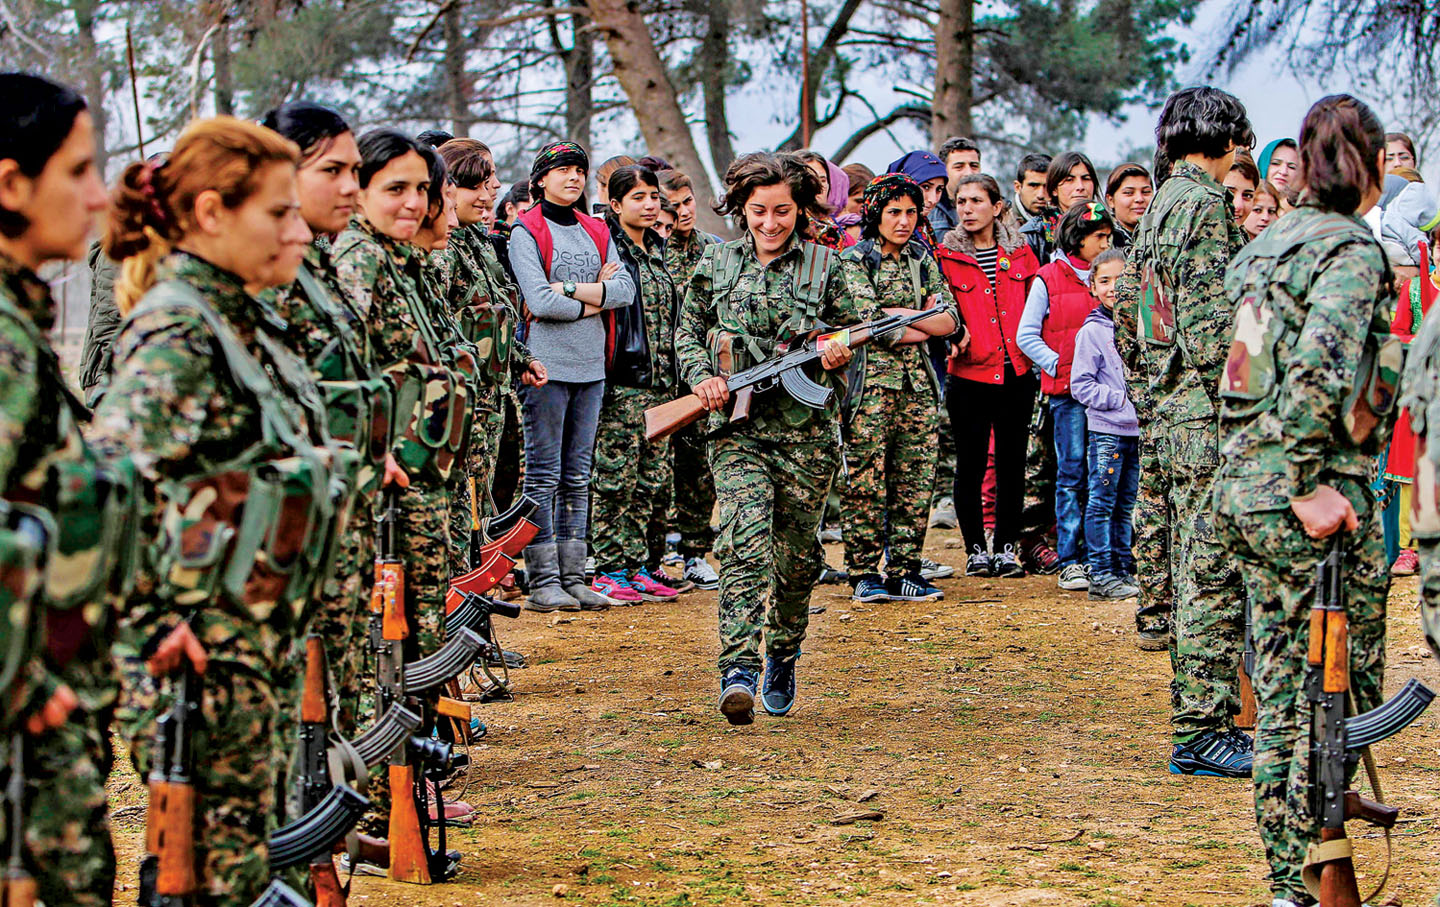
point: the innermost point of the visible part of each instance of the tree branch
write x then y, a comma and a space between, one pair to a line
903, 112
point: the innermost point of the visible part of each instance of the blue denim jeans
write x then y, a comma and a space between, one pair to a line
1069, 417
560, 422
1114, 480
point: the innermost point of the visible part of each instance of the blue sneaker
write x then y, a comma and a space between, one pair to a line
779, 693
1214, 754
870, 588
737, 695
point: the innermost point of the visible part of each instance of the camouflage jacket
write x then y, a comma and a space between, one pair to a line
659, 298
500, 283
682, 255
101, 324
476, 275
908, 280
175, 407
759, 310
1188, 235
1297, 350
37, 424
383, 279
327, 333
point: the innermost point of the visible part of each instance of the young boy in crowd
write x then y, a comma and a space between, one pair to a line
1097, 381
1058, 304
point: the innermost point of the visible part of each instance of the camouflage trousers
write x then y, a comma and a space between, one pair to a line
342, 616
890, 452
694, 491
1429, 551
423, 543
630, 483
771, 496
483, 453
943, 485
67, 846
1153, 519
1279, 562
235, 791
1208, 619
1037, 519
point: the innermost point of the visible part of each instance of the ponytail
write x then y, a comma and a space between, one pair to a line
152, 205
1340, 145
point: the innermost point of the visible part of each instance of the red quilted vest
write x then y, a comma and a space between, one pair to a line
1070, 302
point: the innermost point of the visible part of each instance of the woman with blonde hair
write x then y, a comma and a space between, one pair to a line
226, 430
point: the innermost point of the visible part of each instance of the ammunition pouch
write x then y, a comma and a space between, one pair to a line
258, 535
491, 328
433, 417
1377, 385
1248, 381
362, 415
26, 537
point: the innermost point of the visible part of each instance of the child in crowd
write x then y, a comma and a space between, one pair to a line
1097, 380
1264, 210
1058, 304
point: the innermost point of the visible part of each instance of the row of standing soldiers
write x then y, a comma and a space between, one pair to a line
285, 361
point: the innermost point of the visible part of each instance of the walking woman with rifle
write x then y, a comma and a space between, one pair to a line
772, 471
59, 686
1306, 408
227, 430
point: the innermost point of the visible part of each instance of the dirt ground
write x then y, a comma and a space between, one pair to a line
1006, 746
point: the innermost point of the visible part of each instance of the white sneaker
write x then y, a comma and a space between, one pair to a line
1075, 578
943, 516
699, 572
930, 570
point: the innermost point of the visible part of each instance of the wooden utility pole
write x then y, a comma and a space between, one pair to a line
804, 73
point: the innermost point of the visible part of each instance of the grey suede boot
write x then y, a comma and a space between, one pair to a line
542, 569
572, 576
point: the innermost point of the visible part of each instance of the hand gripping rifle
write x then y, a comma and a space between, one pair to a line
419, 758
784, 369
329, 811
168, 876
1337, 743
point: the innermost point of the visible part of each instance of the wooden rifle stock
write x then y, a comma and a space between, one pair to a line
312, 700
409, 857
20, 890
1338, 887
328, 890
664, 420
170, 836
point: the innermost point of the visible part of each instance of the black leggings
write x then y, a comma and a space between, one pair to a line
977, 408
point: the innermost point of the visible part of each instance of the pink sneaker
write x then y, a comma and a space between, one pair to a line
617, 588
1407, 564
651, 589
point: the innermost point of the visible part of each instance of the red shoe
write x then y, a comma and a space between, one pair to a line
1041, 558
1407, 564
652, 589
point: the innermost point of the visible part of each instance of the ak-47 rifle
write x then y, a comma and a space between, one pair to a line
494, 545
784, 369
19, 890
329, 811
1336, 743
1246, 719
168, 876
420, 758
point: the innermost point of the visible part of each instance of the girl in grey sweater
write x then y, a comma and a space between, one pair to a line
569, 273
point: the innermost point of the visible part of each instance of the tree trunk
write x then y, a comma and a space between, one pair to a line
647, 86
94, 76
954, 71
713, 56
457, 83
579, 83
224, 79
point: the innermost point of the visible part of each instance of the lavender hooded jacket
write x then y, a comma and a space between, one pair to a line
1097, 378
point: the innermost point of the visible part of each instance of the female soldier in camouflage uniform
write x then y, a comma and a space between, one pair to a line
485, 304
220, 419
1313, 299
631, 478
892, 433
326, 331
59, 688
772, 472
